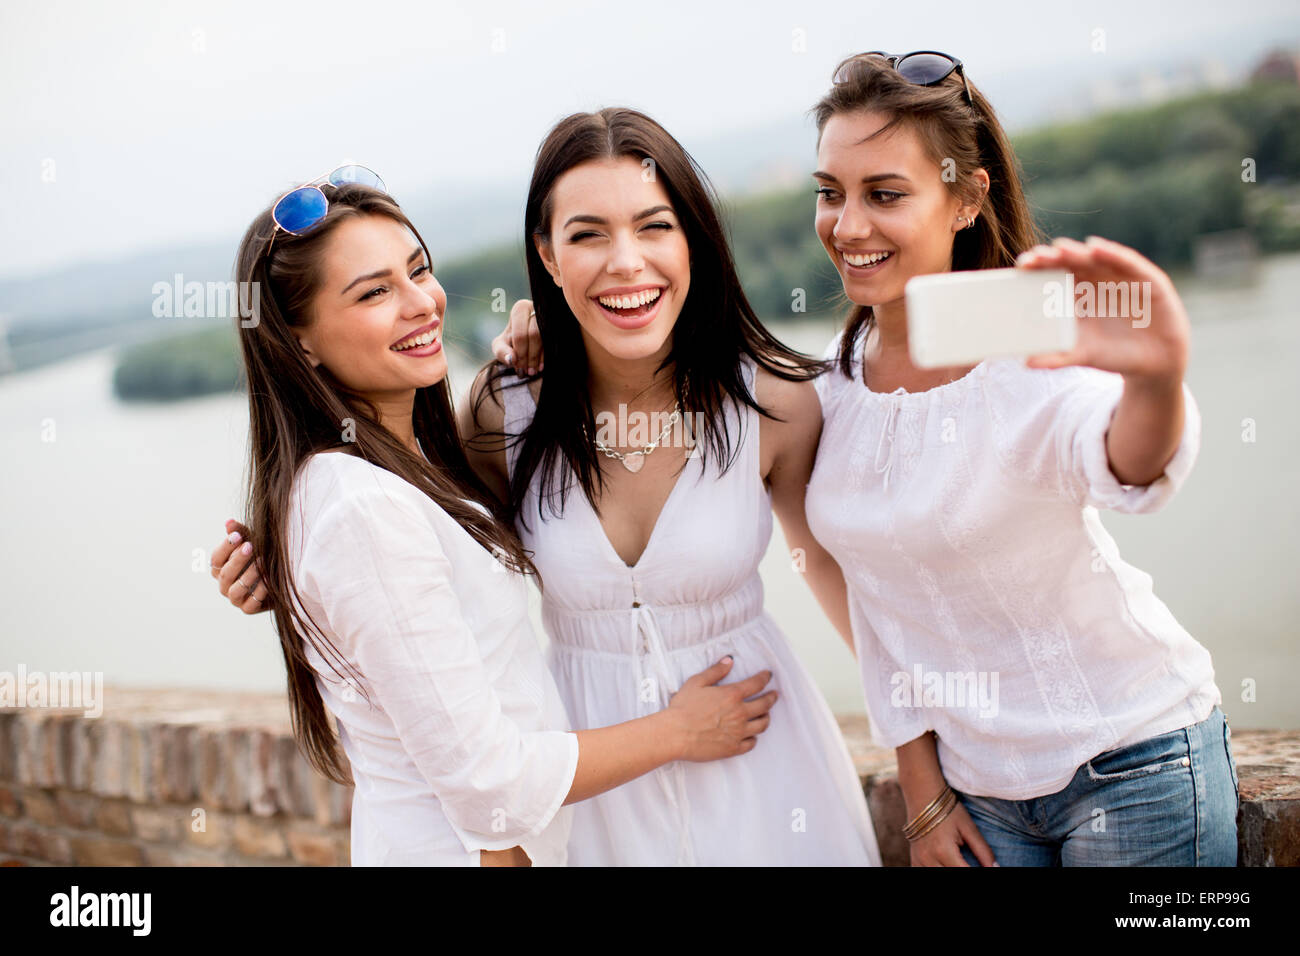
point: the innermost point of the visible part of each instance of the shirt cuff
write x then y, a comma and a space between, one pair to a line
1104, 490
557, 749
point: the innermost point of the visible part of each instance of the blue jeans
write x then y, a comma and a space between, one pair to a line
1169, 800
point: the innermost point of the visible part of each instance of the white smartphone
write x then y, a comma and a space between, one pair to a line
960, 318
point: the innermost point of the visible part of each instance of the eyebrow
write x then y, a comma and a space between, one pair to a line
382, 272
879, 177
597, 220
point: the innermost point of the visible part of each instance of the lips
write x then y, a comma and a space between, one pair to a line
630, 307
628, 297
866, 258
422, 336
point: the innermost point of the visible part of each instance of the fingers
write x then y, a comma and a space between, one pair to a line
951, 856
1090, 260
235, 533
502, 350
752, 685
971, 834
711, 675
756, 726
234, 566
1076, 356
759, 705
525, 338
255, 603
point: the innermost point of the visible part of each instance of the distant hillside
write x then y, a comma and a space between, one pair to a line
1154, 178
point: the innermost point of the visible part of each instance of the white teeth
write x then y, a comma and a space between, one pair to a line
866, 260
644, 297
419, 340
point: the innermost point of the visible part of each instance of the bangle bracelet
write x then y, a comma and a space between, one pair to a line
940, 805
946, 809
928, 812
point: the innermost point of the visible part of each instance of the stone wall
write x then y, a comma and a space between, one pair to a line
201, 778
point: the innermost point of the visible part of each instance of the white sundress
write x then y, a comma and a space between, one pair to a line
623, 639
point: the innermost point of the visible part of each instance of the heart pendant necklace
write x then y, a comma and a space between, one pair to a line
633, 461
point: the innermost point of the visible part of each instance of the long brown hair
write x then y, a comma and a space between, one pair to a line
296, 410
716, 328
948, 128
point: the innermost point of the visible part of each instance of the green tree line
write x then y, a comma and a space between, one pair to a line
1153, 177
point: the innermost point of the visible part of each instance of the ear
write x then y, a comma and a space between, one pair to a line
304, 339
543, 247
980, 179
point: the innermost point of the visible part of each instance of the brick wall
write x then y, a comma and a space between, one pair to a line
181, 777
166, 778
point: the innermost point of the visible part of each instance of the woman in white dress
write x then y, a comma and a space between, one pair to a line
962, 505
648, 544
399, 597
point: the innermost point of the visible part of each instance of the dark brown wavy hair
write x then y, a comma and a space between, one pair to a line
716, 328
296, 410
948, 127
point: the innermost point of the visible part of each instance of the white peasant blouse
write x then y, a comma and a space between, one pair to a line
988, 602
455, 732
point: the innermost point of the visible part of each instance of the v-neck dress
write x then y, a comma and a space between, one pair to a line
624, 639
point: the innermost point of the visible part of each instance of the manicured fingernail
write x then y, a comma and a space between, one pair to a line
246, 549
532, 371
229, 522
234, 537
727, 659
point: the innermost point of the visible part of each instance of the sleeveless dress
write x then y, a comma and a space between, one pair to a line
624, 639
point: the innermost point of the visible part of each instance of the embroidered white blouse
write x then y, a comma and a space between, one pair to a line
463, 743
988, 602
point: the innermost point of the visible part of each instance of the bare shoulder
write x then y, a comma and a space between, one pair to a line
795, 402
483, 408
786, 446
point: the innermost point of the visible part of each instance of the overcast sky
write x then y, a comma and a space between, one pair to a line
129, 126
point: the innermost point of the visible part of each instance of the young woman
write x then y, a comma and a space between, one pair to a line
962, 503
648, 546
399, 599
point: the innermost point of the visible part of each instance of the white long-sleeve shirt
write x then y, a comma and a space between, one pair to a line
987, 601
463, 744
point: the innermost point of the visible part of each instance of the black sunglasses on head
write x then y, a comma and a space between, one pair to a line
922, 67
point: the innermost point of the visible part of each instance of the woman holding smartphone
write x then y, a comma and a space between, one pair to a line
398, 597
962, 505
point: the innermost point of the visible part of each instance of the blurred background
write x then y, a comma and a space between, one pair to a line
140, 140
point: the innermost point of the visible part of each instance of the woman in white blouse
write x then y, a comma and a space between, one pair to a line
1075, 720
398, 596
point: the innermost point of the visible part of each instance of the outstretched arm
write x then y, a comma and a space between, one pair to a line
1147, 344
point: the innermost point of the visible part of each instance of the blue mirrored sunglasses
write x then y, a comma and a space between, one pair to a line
299, 209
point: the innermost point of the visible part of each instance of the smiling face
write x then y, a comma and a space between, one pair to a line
377, 318
618, 251
884, 213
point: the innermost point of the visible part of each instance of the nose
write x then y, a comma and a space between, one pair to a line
420, 301
854, 222
625, 256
